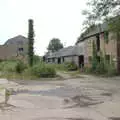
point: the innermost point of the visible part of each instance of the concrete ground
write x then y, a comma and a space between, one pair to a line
84, 98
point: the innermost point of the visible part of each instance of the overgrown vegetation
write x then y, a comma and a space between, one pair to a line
67, 66
105, 11
57, 67
102, 69
30, 43
18, 69
70, 66
101, 66
12, 66
43, 70
36, 59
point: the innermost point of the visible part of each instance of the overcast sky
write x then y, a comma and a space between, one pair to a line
52, 19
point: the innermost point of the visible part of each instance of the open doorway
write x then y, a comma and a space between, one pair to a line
98, 42
59, 60
81, 61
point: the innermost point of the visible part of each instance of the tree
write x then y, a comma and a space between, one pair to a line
100, 10
30, 42
109, 11
55, 45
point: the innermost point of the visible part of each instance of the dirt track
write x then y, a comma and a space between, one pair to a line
85, 98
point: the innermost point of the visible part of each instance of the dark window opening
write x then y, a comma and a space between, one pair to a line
81, 61
48, 59
63, 59
98, 43
20, 49
53, 59
98, 58
59, 60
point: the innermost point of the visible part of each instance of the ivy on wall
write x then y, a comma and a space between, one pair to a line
106, 37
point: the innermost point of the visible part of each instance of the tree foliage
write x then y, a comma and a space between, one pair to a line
55, 45
100, 10
30, 43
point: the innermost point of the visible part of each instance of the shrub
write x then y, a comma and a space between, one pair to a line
8, 66
12, 66
1, 60
12, 69
59, 67
111, 70
20, 67
70, 66
36, 59
1, 66
43, 70
99, 69
103, 68
67, 66
88, 70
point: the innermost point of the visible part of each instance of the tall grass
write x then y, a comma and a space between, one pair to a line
8, 66
67, 66
43, 70
14, 69
103, 68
